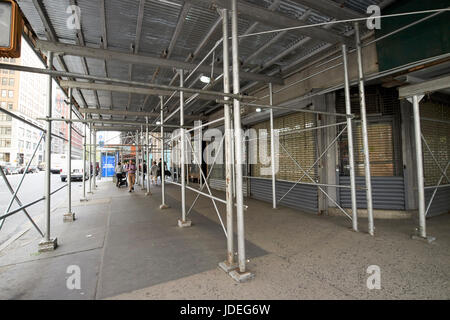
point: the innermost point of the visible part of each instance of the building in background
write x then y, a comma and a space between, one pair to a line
61, 109
25, 94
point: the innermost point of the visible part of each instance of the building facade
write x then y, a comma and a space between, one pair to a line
25, 94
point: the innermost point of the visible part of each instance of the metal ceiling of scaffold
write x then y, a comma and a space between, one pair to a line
184, 31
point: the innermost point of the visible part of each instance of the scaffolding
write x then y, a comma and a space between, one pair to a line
232, 141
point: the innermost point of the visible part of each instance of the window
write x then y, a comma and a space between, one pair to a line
11, 82
20, 144
5, 130
4, 117
11, 71
21, 132
4, 81
3, 93
10, 106
5, 143
5, 71
10, 93
28, 134
28, 145
4, 156
3, 104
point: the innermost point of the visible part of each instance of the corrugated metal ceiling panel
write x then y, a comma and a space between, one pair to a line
159, 22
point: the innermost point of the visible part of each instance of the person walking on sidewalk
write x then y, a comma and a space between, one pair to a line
131, 169
154, 172
119, 172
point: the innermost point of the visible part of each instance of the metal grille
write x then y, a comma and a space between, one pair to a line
383, 114
301, 145
437, 135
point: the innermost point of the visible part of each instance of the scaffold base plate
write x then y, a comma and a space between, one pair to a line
225, 266
241, 277
47, 245
184, 224
426, 239
69, 217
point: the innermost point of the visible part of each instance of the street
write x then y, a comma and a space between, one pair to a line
32, 188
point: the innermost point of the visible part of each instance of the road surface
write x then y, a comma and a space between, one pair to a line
32, 188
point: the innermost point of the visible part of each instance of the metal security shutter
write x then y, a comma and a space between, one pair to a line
387, 192
435, 118
383, 109
217, 176
302, 147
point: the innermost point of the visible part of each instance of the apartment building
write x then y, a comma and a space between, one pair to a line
25, 95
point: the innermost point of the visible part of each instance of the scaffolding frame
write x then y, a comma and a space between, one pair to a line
233, 142
414, 94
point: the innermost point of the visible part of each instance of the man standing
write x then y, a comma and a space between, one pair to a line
131, 169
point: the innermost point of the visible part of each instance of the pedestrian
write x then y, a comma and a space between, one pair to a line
144, 170
159, 170
154, 172
131, 170
119, 172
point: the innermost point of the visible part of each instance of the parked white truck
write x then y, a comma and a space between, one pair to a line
77, 171
58, 160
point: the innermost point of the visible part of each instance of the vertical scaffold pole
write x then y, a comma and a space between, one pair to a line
142, 157
229, 264
69, 216
351, 158
272, 151
48, 243
183, 222
90, 158
362, 99
147, 156
137, 158
94, 156
240, 274
83, 197
163, 187
419, 164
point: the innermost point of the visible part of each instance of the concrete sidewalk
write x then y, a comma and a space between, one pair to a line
127, 248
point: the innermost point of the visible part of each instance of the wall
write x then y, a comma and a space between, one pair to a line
427, 39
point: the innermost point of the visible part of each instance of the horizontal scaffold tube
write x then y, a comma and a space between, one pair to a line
170, 89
